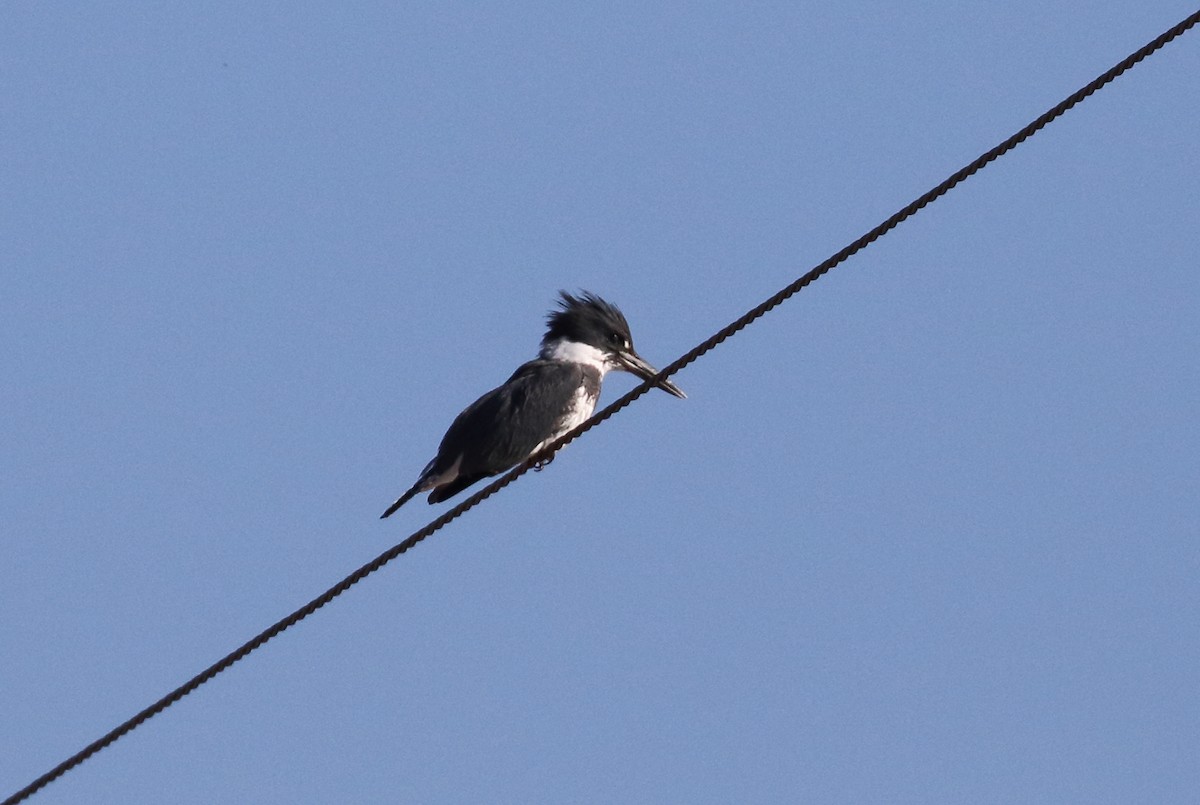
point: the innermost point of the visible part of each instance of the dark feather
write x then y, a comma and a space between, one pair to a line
499, 430
447, 491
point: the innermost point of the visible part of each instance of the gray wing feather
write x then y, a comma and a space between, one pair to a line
502, 427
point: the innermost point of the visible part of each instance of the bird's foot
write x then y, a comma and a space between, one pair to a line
542, 463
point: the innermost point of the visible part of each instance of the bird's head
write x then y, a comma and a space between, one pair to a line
587, 321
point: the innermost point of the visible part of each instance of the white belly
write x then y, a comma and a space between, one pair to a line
581, 407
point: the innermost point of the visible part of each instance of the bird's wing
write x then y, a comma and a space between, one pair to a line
503, 427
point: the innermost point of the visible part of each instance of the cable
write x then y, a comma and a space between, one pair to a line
725, 332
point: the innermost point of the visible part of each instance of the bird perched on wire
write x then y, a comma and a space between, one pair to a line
585, 339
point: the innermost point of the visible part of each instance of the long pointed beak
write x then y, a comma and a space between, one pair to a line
633, 363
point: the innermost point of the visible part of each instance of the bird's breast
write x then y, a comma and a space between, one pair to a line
579, 407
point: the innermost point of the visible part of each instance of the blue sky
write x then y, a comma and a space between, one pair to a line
927, 533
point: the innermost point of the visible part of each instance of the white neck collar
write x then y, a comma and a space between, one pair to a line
560, 349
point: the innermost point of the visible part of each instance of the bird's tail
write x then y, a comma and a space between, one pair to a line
400, 501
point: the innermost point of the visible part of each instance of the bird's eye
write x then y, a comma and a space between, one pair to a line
618, 340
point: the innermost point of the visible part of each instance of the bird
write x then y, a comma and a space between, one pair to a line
586, 338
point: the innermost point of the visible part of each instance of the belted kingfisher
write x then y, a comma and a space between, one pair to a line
585, 338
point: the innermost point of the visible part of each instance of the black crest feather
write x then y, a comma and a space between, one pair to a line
584, 317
